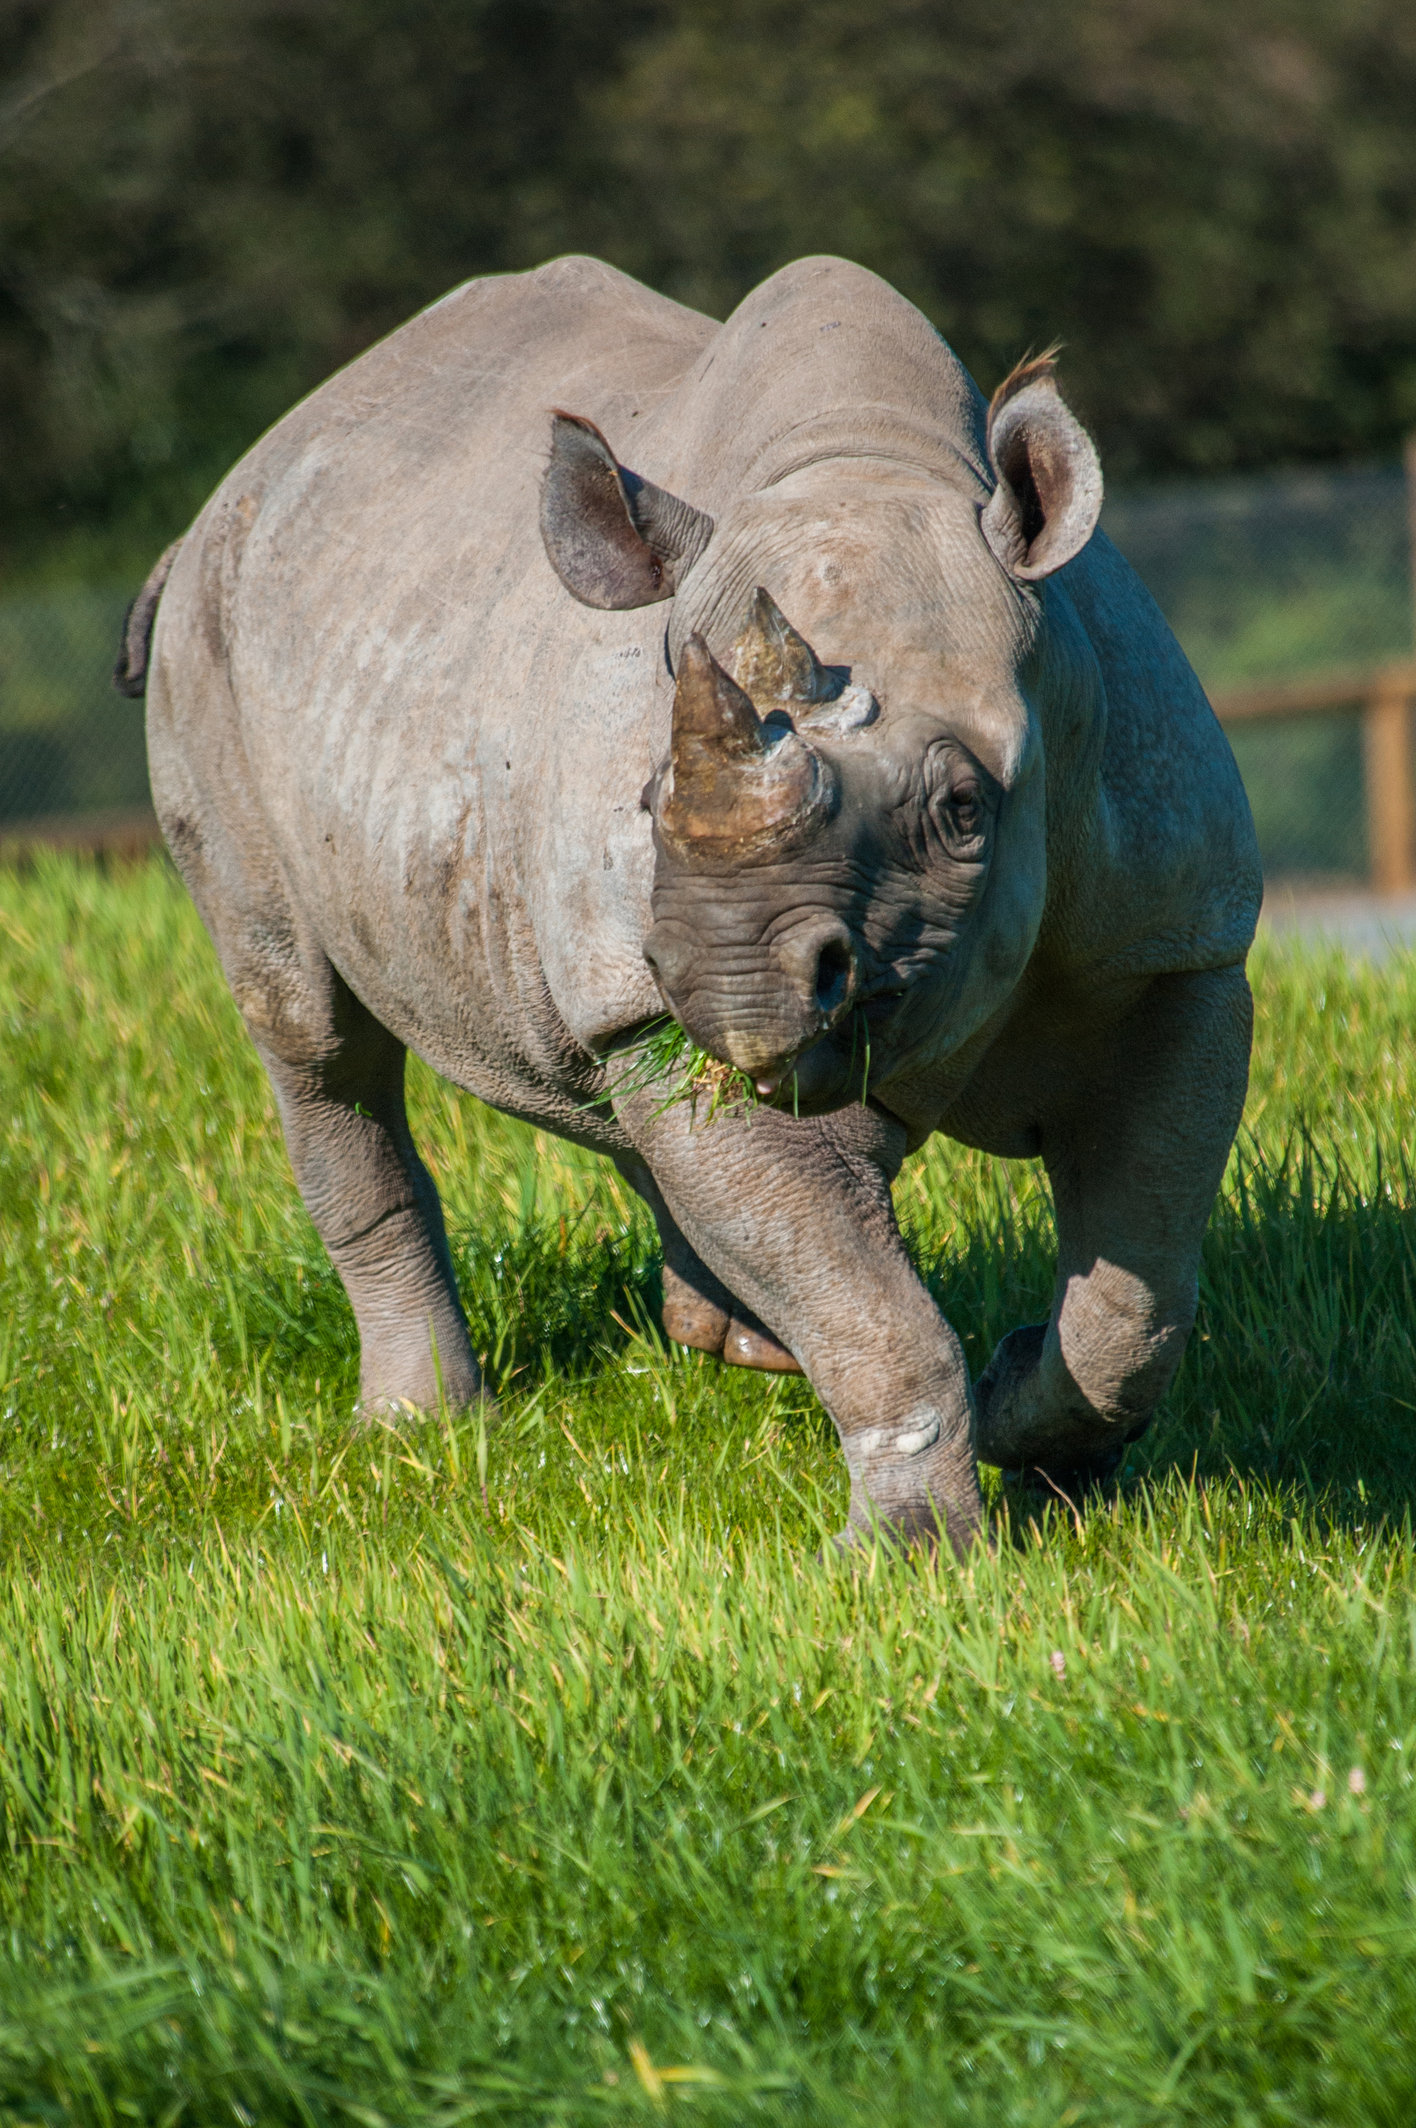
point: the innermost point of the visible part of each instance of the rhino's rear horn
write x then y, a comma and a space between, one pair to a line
775, 664
613, 539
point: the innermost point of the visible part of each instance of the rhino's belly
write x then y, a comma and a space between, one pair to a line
1037, 1060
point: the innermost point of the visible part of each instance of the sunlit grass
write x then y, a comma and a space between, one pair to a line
665, 1062
537, 1773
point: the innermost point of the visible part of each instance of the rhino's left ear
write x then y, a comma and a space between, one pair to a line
1048, 498
613, 539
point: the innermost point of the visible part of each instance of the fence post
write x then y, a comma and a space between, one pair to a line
1391, 802
1387, 736
1409, 460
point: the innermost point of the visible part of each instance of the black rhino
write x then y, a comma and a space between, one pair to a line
832, 724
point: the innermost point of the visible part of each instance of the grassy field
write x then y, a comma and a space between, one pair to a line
538, 1774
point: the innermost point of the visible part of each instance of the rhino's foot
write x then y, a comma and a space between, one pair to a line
1049, 1453
747, 1344
919, 1531
405, 1379
379, 1408
694, 1319
691, 1318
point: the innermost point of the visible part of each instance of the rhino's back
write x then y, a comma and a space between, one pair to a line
474, 368
396, 507
372, 580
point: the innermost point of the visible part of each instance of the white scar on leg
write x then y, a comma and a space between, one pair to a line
922, 1432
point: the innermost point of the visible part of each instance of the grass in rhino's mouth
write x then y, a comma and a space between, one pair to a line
665, 1059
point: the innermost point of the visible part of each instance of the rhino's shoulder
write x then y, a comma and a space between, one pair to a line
1172, 874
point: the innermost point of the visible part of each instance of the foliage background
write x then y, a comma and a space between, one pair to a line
206, 205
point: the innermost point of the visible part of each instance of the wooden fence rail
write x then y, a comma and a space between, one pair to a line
1385, 695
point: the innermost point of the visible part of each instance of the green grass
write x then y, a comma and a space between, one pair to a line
665, 1060
538, 1774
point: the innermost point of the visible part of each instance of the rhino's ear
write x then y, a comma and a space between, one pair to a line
613, 539
1048, 498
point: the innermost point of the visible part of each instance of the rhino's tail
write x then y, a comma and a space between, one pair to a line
131, 671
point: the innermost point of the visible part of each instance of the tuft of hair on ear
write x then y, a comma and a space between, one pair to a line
1033, 369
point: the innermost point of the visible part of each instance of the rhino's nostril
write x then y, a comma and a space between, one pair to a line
833, 975
667, 958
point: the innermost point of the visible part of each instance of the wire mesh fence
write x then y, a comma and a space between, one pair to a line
69, 746
1263, 579
1274, 578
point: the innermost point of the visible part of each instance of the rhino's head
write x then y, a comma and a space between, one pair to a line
850, 822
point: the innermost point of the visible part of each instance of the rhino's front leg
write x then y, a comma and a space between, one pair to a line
698, 1309
795, 1218
1134, 1158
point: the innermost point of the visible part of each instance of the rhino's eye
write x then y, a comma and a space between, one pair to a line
960, 812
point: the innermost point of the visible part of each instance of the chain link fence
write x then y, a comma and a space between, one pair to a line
1279, 577
1263, 579
70, 748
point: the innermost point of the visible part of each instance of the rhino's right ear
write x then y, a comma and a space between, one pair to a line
613, 539
1048, 498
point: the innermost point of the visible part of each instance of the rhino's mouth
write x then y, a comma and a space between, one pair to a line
880, 1007
839, 1065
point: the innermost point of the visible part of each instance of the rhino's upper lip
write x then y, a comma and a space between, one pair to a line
878, 1004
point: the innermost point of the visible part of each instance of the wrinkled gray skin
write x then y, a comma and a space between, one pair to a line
398, 760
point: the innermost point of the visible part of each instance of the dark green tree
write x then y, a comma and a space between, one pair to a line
207, 205
1214, 206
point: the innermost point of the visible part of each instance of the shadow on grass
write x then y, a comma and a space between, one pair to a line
552, 1297
1301, 1373
556, 1297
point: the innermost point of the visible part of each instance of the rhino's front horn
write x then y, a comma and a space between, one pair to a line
736, 787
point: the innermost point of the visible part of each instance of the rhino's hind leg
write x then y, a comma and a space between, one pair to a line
336, 1071
377, 1211
337, 1074
1134, 1164
699, 1311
